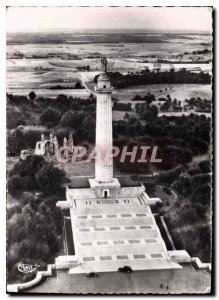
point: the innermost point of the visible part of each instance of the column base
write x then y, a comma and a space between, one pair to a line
101, 185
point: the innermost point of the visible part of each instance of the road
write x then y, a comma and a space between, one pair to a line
86, 77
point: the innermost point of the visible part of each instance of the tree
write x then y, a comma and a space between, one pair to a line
31, 137
50, 117
75, 106
10, 97
14, 209
202, 194
49, 179
88, 122
154, 130
78, 85
137, 97
167, 190
22, 176
150, 188
72, 119
183, 186
61, 133
28, 167
32, 96
14, 185
154, 110
165, 106
126, 116
205, 166
148, 116
131, 130
149, 98
16, 141
120, 127
34, 226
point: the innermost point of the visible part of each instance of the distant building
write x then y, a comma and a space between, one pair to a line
47, 146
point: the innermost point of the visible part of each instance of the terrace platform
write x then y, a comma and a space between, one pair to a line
113, 232
185, 280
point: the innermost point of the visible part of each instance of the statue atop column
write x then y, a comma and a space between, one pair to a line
104, 64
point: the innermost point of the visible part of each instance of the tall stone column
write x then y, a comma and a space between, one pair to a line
104, 138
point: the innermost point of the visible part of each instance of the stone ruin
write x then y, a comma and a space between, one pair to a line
49, 147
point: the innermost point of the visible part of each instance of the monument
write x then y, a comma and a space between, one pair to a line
104, 183
112, 225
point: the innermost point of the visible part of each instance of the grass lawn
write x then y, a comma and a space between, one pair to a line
78, 169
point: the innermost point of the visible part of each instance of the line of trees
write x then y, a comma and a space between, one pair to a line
150, 77
34, 223
122, 106
189, 221
178, 138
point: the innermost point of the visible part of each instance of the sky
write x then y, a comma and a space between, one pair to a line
78, 18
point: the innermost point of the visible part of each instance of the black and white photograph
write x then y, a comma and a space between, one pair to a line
109, 150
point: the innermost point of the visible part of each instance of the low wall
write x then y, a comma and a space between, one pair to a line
61, 262
180, 256
14, 288
66, 262
177, 256
201, 265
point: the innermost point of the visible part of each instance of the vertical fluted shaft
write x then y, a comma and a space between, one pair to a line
104, 163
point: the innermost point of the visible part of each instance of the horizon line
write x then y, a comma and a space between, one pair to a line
108, 29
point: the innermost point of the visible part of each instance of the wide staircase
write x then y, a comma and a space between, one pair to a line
109, 236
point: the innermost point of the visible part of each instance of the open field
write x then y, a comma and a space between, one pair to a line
178, 91
34, 62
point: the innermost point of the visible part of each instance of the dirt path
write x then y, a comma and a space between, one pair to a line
86, 78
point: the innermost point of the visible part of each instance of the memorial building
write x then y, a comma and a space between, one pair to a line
112, 225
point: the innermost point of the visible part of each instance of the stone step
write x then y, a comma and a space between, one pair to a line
125, 221
115, 235
113, 266
113, 209
117, 249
